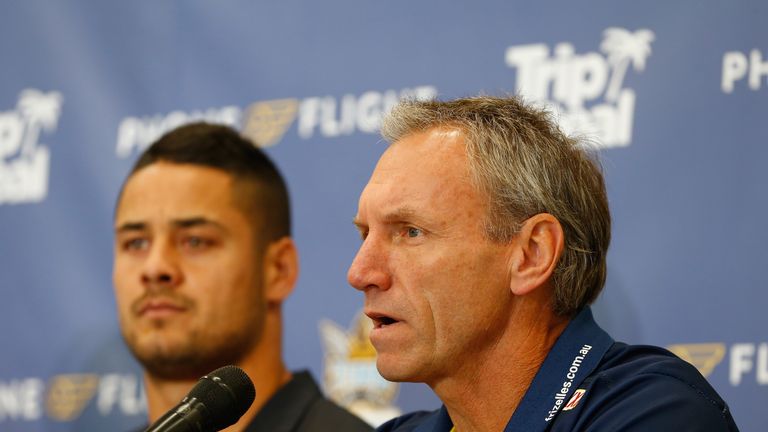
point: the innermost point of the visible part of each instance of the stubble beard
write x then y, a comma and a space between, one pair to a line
193, 354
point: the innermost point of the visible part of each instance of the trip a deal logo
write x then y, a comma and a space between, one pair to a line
267, 121
586, 90
24, 160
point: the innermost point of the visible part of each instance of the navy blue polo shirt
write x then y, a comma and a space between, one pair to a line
588, 382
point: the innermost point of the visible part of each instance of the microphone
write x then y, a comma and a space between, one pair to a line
215, 402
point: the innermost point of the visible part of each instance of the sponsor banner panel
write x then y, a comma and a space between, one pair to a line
673, 103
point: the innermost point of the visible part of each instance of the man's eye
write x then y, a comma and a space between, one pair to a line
413, 232
196, 242
136, 244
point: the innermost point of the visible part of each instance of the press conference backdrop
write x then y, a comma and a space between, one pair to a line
675, 94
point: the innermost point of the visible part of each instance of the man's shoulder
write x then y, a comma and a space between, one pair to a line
326, 415
300, 406
657, 369
639, 387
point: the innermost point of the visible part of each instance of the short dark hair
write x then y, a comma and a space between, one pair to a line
223, 148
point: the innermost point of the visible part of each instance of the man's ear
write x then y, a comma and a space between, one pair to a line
281, 269
537, 248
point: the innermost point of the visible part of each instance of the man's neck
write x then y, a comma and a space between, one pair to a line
485, 392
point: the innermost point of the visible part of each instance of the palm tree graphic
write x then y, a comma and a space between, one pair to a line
41, 110
622, 47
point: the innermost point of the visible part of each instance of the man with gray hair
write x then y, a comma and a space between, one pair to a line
485, 232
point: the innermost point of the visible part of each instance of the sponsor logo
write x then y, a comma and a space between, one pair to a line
585, 90
331, 117
738, 66
266, 122
704, 356
21, 399
350, 375
746, 358
24, 161
134, 134
570, 376
577, 395
67, 395
743, 359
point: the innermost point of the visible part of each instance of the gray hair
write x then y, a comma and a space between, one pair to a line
526, 165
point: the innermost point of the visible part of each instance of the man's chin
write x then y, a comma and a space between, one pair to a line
183, 361
175, 354
175, 368
168, 359
396, 371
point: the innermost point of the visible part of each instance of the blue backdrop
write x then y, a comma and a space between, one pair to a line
674, 93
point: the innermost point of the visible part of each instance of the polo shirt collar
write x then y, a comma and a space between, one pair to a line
575, 354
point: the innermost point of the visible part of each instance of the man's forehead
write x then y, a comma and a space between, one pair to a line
422, 152
418, 173
165, 192
430, 141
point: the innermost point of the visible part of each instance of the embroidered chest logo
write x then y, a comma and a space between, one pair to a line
575, 399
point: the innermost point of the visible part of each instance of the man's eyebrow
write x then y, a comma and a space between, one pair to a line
195, 221
359, 223
179, 223
400, 214
131, 226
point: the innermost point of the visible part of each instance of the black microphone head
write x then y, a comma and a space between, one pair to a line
227, 393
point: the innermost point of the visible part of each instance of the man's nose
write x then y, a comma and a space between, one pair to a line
369, 268
161, 268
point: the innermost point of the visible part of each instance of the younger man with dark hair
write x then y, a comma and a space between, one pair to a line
203, 263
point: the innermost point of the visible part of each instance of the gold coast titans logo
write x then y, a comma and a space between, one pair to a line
350, 374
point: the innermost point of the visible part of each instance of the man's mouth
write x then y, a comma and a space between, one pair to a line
157, 308
381, 320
